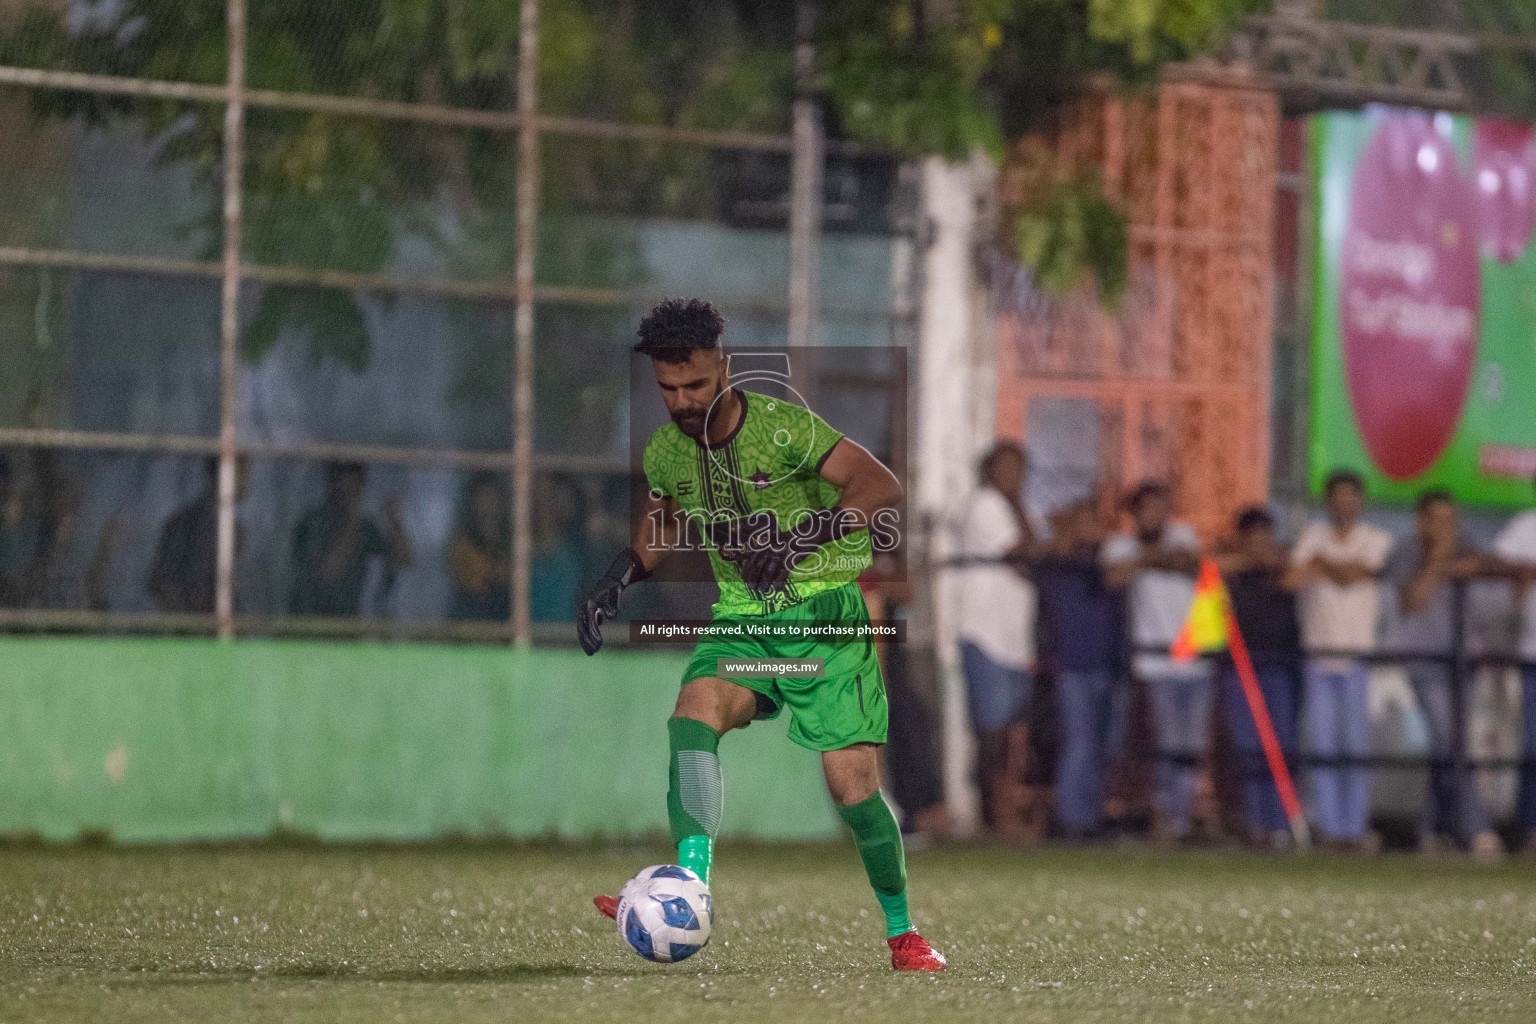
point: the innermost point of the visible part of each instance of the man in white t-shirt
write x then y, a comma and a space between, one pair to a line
1334, 567
996, 627
1157, 564
1516, 546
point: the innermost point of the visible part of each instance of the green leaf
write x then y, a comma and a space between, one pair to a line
330, 321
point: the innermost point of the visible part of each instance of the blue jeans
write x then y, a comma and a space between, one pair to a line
1088, 722
1453, 807
1262, 810
1181, 715
998, 695
1336, 711
1527, 806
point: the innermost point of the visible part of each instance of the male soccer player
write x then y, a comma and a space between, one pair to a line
753, 472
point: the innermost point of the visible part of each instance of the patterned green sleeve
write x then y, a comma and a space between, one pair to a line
820, 437
655, 466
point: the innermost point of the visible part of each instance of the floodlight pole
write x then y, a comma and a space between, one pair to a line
522, 389
805, 200
229, 320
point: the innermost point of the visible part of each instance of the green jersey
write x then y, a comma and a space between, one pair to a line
770, 464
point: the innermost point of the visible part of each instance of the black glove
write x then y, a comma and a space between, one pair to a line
602, 601
767, 567
768, 564
734, 539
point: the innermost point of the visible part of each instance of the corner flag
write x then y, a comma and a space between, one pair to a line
1211, 626
1205, 628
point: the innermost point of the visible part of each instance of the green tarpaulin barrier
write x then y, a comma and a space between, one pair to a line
175, 739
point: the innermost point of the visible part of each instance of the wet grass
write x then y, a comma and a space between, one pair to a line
508, 934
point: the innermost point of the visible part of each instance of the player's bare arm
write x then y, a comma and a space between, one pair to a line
866, 483
866, 486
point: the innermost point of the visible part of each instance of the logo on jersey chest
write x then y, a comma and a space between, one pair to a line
684, 488
760, 480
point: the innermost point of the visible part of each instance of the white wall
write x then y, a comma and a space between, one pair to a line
956, 387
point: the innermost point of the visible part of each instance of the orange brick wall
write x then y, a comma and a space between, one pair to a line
1181, 372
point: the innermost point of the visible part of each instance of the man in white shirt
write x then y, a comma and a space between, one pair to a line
996, 628
1516, 546
1334, 567
1158, 564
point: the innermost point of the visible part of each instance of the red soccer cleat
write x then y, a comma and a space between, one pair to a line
909, 952
608, 906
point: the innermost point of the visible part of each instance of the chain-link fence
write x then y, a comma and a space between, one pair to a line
316, 317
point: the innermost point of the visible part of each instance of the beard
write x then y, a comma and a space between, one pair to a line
694, 422
690, 423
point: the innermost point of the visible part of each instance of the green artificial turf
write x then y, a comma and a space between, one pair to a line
505, 935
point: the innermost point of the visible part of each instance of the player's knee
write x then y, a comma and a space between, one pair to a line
693, 702
850, 784
711, 704
848, 792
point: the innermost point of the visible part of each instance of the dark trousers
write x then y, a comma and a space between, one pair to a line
1088, 737
1262, 811
1527, 806
912, 749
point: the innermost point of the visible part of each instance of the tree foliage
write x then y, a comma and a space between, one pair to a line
915, 77
1060, 224
979, 72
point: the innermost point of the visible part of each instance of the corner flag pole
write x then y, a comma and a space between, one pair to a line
1266, 728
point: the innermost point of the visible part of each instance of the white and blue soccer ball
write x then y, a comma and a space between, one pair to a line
665, 913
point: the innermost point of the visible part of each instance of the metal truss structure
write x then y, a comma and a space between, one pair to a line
1314, 63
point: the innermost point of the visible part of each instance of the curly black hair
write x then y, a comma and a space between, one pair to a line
675, 328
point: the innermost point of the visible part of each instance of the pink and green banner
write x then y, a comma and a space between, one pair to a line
1424, 368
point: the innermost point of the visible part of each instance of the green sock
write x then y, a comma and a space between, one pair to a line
879, 841
695, 792
697, 853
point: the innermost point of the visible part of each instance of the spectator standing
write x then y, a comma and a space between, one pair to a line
1516, 546
1428, 578
480, 553
182, 576
23, 540
996, 629
334, 542
1157, 564
1082, 624
559, 556
1334, 566
63, 584
1253, 571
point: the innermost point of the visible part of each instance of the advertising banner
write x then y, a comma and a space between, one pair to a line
1424, 361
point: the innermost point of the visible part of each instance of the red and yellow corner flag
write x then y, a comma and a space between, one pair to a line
1205, 628
1212, 626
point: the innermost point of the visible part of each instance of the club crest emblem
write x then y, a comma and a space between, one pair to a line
760, 480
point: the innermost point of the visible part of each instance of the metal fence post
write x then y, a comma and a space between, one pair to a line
522, 389
806, 169
1461, 767
229, 318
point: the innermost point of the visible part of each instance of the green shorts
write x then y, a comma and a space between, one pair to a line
845, 707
